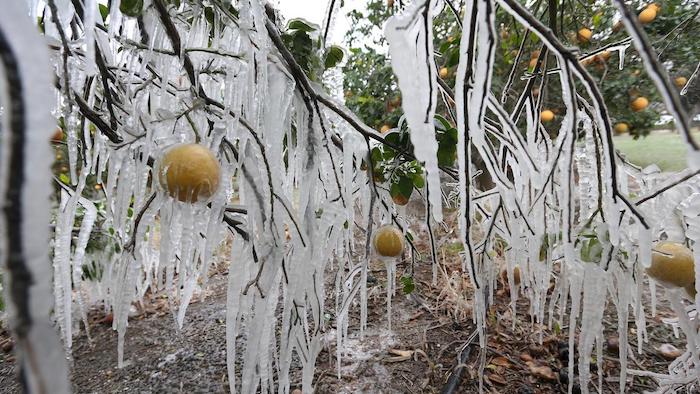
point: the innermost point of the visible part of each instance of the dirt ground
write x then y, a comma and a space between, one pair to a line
429, 327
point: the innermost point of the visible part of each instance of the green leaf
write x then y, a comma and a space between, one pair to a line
418, 181
591, 250
334, 55
447, 153
104, 11
405, 186
408, 285
376, 155
445, 124
64, 178
300, 24
131, 8
130, 212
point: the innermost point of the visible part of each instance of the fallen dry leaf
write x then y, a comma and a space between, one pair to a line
501, 362
497, 379
400, 352
542, 371
401, 355
525, 357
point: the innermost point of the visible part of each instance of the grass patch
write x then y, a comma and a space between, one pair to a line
665, 149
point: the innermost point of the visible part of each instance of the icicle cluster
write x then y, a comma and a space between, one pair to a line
291, 189
562, 205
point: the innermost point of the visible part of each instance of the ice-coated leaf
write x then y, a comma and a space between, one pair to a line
334, 55
131, 8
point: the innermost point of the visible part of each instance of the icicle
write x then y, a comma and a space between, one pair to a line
26, 128
411, 48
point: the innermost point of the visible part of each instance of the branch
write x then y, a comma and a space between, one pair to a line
97, 120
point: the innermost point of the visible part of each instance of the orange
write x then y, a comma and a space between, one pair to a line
547, 115
388, 241
621, 128
584, 35
189, 172
648, 15
639, 104
57, 135
444, 72
672, 265
400, 199
532, 64
680, 82
385, 128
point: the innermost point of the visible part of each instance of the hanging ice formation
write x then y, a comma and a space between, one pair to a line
291, 189
586, 234
25, 91
130, 87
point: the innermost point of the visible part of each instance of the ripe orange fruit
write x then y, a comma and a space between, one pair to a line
444, 72
584, 35
621, 128
680, 82
547, 115
400, 199
639, 104
532, 64
98, 186
603, 56
388, 241
648, 14
587, 61
57, 135
672, 265
385, 128
189, 172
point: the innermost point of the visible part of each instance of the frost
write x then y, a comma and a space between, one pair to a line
561, 211
410, 36
27, 125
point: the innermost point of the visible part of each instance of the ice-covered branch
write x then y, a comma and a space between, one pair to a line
24, 196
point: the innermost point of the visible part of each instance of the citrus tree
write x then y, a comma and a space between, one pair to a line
212, 123
371, 90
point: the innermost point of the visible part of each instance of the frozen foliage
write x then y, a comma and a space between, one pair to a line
291, 188
218, 76
562, 206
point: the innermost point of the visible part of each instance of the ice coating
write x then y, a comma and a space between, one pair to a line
410, 36
291, 191
27, 126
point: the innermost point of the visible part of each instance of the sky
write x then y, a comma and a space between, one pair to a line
314, 10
